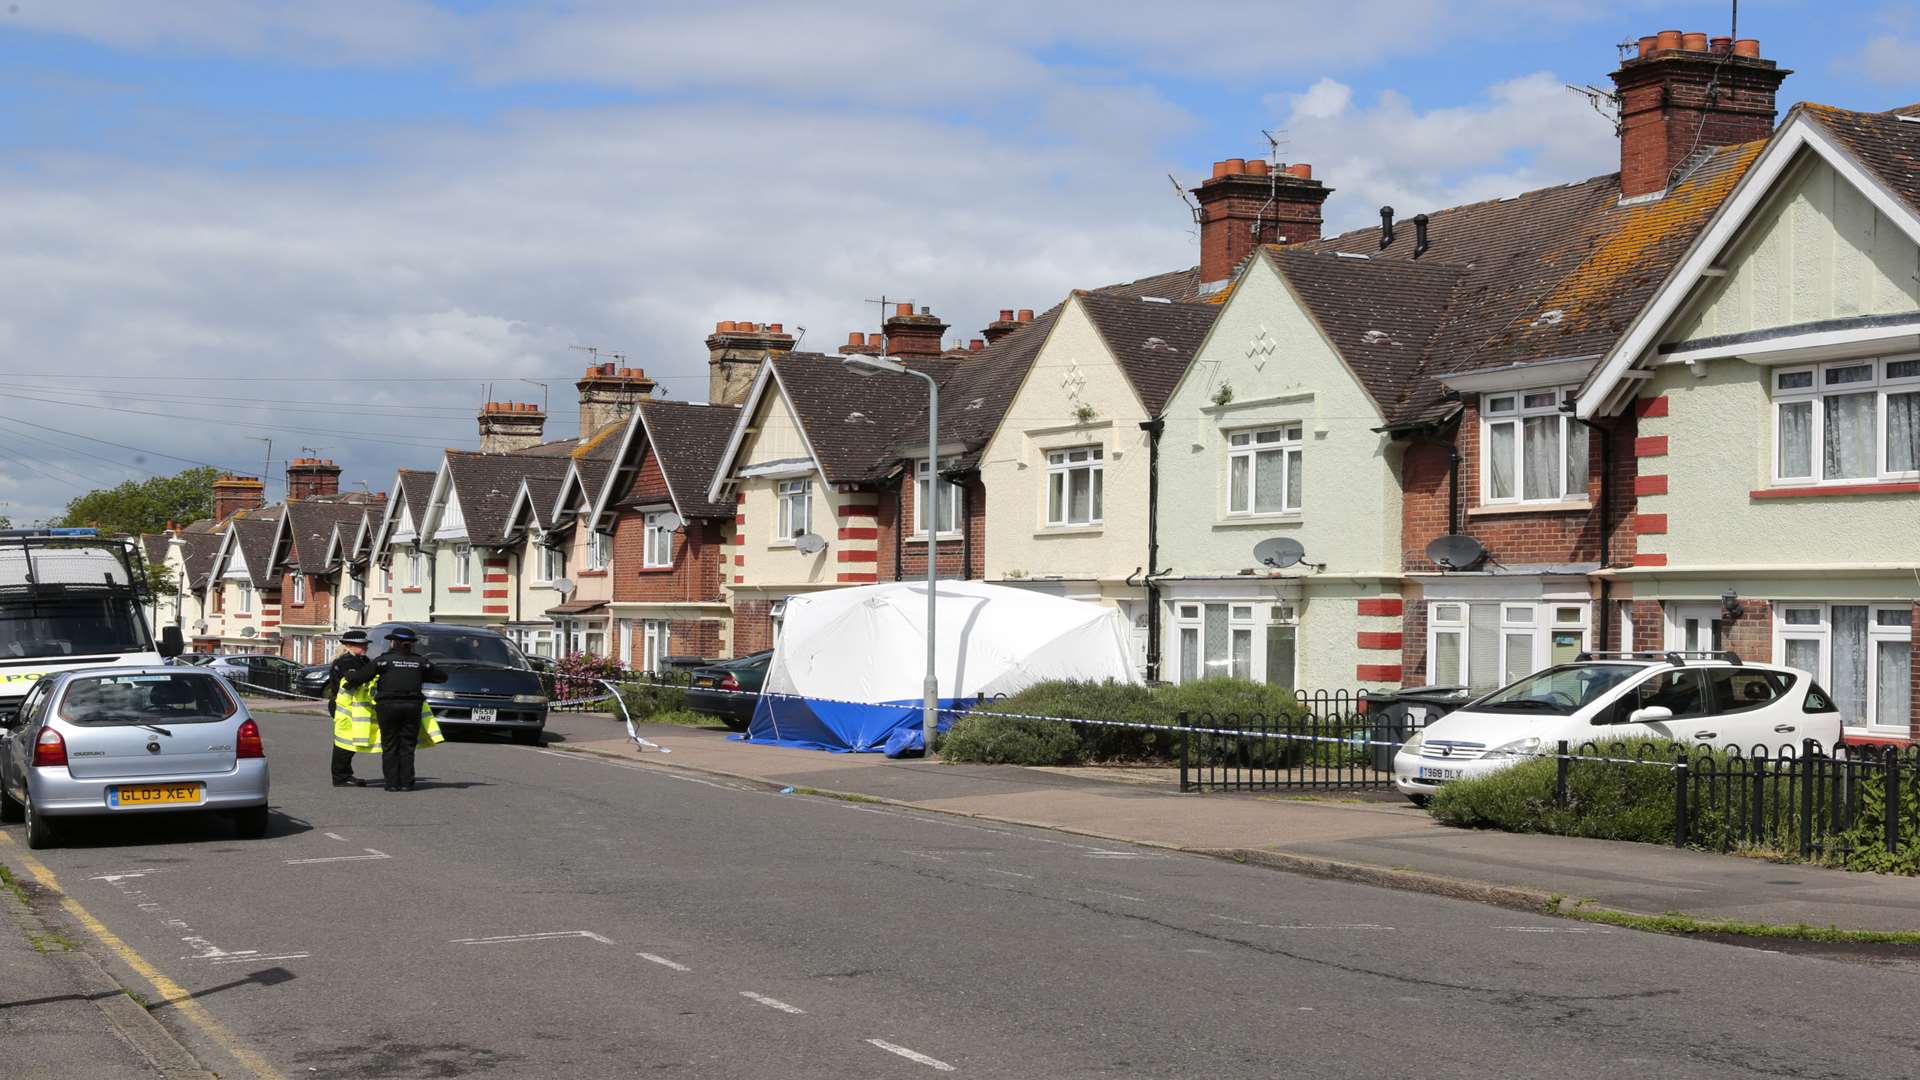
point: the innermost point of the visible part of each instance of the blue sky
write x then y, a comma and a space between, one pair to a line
204, 202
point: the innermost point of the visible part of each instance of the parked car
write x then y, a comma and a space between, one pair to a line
150, 739
312, 679
256, 669
1716, 699
729, 689
490, 683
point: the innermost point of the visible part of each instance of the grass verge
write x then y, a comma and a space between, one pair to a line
12, 885
1683, 925
843, 796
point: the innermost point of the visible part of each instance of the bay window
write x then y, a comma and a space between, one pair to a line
1862, 653
1849, 422
1531, 451
1489, 644
1238, 640
1263, 471
945, 501
1075, 479
658, 547
796, 508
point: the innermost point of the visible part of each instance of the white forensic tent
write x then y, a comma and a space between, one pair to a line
848, 666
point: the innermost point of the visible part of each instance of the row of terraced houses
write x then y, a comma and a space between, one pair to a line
1674, 406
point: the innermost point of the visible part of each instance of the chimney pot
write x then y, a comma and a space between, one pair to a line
1006, 314
776, 328
877, 340
1721, 46
1026, 314
977, 345
1667, 39
1236, 166
1219, 169
902, 309
1301, 170
1747, 47
723, 327
1256, 167
856, 338
1647, 45
1694, 42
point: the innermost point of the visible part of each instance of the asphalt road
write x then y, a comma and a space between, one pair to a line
532, 913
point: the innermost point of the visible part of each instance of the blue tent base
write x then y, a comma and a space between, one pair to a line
838, 726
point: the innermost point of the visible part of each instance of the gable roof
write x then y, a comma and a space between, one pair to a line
199, 546
1884, 143
309, 525
688, 440
851, 421
486, 485
533, 501
1152, 342
974, 397
254, 531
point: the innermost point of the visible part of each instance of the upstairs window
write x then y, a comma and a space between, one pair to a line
1263, 471
1530, 451
945, 502
1846, 423
299, 588
416, 569
1075, 479
658, 543
245, 606
386, 580
599, 550
462, 565
551, 564
796, 508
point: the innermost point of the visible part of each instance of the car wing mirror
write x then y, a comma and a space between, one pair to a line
1652, 714
171, 643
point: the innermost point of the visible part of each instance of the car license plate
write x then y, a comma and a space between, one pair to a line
706, 680
1430, 772
153, 795
485, 716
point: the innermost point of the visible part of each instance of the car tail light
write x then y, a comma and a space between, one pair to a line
728, 682
49, 748
247, 744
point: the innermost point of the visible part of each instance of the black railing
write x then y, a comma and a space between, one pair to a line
1334, 743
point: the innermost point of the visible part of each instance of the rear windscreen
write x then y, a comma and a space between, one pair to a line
170, 698
107, 623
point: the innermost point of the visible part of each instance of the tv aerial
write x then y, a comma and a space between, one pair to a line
1281, 552
1456, 551
810, 543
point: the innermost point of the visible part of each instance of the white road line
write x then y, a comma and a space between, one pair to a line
1119, 896
1322, 926
924, 855
124, 875
1119, 855
335, 836
771, 1003
370, 855
238, 959
1552, 930
912, 1055
1231, 919
1009, 873
662, 961
502, 939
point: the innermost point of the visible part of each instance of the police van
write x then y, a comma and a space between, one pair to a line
70, 598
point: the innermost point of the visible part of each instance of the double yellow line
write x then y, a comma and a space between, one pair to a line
169, 992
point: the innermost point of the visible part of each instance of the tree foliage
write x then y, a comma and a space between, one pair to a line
144, 506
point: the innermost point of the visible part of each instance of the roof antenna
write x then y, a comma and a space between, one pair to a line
1604, 102
884, 301
1273, 181
1193, 208
543, 392
590, 350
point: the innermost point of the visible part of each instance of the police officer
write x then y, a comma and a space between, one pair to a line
349, 731
398, 703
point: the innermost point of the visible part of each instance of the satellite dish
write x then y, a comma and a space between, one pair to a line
671, 521
354, 603
1456, 551
563, 586
810, 543
248, 631
1279, 552
200, 627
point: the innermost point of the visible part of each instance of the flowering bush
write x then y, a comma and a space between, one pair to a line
578, 675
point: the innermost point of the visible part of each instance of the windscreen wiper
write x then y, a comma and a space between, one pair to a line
155, 727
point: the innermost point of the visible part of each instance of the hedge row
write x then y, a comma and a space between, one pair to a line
988, 735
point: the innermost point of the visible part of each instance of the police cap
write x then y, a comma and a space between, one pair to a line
402, 633
354, 637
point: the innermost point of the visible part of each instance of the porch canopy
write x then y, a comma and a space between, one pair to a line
848, 666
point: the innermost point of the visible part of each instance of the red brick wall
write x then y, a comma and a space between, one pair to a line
318, 609
752, 626
699, 555
694, 637
1413, 652
895, 522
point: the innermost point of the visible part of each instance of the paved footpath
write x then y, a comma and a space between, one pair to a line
1385, 842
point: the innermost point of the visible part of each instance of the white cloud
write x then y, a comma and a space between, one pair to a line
1889, 59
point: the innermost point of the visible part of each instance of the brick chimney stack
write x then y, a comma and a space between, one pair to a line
232, 494
734, 352
1006, 324
508, 426
1686, 92
608, 395
1246, 204
862, 344
913, 335
308, 478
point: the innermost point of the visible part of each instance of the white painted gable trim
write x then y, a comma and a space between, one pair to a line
737, 441
1603, 393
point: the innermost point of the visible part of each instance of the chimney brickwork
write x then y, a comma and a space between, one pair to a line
1246, 204
309, 478
1683, 93
734, 353
509, 426
609, 394
232, 494
911, 335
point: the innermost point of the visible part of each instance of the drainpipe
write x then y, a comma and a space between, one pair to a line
1154, 428
966, 533
1605, 434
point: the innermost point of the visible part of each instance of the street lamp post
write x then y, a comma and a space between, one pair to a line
930, 688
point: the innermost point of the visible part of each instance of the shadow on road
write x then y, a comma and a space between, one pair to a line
188, 827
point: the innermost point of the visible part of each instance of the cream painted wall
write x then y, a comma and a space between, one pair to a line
448, 603
1073, 368
1350, 496
1720, 440
534, 597
1819, 251
776, 436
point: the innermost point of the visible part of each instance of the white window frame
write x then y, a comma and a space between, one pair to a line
1058, 495
656, 637
299, 588
386, 579
1244, 449
549, 564
599, 550
245, 605
1515, 408
463, 564
416, 566
1448, 617
656, 542
1821, 633
1882, 385
1534, 622
949, 494
1248, 620
795, 518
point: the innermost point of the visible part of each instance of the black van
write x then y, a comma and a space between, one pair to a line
490, 685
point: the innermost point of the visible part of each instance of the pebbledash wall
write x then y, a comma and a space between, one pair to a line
1347, 617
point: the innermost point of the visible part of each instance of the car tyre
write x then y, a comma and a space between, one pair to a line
251, 823
40, 831
526, 737
10, 809
1420, 801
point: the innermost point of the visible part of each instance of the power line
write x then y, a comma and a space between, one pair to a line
334, 378
159, 395
92, 396
124, 446
383, 437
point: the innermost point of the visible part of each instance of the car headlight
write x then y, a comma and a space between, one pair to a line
1412, 745
529, 699
1526, 747
437, 695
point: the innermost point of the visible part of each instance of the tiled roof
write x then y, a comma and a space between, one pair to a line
975, 394
688, 440
1381, 316
1179, 286
850, 420
200, 546
253, 531
1153, 342
310, 525
541, 491
487, 483
1556, 273
418, 485
154, 546
1882, 142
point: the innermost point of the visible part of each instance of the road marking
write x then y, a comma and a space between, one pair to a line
124, 875
772, 1003
662, 961
1119, 896
924, 855
170, 993
1552, 930
1098, 854
912, 1055
336, 836
505, 938
1009, 873
1231, 919
248, 957
1322, 926
370, 854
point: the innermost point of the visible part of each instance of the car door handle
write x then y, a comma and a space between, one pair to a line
1705, 734
1783, 728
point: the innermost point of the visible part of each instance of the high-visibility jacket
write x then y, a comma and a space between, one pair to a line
354, 727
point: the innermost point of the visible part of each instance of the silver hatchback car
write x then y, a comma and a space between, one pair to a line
131, 740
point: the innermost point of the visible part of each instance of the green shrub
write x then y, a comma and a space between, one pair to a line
1605, 801
1236, 703
1006, 740
645, 699
988, 733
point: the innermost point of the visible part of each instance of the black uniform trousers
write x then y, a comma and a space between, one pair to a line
399, 735
342, 763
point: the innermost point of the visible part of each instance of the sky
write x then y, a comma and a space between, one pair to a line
341, 226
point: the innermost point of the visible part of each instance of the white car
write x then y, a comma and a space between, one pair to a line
1603, 698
